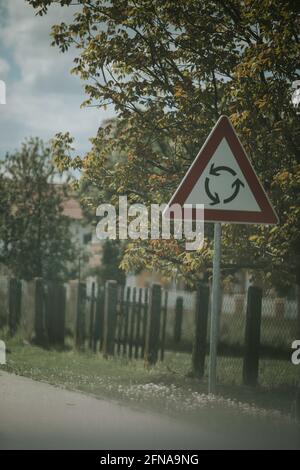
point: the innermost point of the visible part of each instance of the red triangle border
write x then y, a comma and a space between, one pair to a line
223, 128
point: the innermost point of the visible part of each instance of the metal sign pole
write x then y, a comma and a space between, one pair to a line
215, 309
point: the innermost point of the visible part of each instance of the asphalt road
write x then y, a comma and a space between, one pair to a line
35, 415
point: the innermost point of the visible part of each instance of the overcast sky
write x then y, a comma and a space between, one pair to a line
42, 96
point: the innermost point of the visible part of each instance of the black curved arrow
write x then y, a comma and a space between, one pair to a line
236, 185
214, 197
215, 171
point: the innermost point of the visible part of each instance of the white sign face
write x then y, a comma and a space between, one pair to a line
222, 184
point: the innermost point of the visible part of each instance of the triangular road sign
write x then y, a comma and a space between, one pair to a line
224, 181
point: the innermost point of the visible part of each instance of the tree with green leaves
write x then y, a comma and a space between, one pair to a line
110, 261
170, 69
34, 234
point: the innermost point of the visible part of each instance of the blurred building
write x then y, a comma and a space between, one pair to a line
83, 235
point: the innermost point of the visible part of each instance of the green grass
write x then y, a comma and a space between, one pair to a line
168, 386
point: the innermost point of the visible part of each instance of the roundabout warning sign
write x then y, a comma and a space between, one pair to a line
224, 181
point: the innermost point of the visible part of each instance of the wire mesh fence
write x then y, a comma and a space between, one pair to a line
279, 326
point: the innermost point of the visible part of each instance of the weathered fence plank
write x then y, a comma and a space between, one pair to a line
80, 316
153, 327
55, 313
144, 322
252, 336
4, 301
126, 320
39, 318
132, 323
99, 319
71, 308
120, 324
178, 320
164, 325
14, 305
138, 325
110, 317
27, 324
92, 316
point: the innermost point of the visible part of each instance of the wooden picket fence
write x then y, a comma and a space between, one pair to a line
48, 317
113, 319
124, 321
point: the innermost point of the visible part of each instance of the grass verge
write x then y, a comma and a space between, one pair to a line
165, 387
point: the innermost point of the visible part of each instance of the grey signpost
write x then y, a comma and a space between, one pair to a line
215, 309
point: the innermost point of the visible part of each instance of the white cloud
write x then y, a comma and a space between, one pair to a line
42, 97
